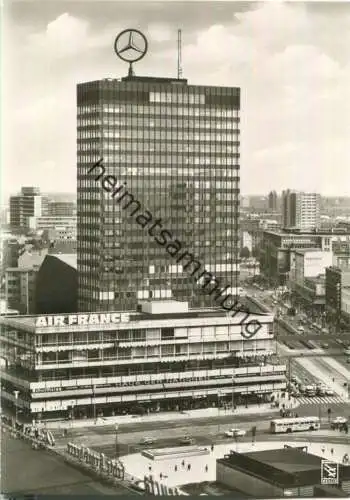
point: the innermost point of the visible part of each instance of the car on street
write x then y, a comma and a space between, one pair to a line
235, 433
187, 440
301, 329
147, 440
338, 422
321, 391
324, 345
329, 392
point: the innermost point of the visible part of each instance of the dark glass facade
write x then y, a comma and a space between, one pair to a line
176, 148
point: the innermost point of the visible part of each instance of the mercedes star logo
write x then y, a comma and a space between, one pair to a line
130, 45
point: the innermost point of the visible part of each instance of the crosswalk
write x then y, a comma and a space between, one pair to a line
317, 400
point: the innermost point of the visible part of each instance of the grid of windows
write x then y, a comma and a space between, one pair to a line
176, 147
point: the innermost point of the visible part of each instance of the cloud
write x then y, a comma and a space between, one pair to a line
290, 59
66, 36
159, 33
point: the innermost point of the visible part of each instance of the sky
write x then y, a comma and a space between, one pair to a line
291, 60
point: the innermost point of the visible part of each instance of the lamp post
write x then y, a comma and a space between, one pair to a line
116, 441
94, 402
16, 408
233, 395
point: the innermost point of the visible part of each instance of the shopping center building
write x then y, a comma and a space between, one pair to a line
165, 356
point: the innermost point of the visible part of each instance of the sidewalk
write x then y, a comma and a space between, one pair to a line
162, 417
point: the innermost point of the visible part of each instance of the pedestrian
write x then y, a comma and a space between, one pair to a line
189, 467
206, 468
323, 449
183, 463
150, 468
332, 451
161, 476
175, 468
212, 447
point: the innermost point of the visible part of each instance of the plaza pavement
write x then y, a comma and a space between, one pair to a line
138, 466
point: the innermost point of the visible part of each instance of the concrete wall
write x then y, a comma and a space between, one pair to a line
245, 482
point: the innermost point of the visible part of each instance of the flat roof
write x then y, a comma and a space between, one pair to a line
286, 467
287, 459
24, 322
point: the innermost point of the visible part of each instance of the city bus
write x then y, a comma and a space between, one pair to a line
294, 424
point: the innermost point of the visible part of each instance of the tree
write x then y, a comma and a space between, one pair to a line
245, 253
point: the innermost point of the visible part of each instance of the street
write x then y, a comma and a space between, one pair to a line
204, 430
335, 368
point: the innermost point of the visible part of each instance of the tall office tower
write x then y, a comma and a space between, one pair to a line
273, 201
176, 146
300, 210
29, 203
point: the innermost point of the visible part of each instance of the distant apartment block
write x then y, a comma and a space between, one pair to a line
29, 203
300, 210
272, 201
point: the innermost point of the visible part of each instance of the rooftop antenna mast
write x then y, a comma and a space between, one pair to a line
179, 54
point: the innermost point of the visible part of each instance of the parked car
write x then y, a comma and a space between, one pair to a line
324, 345
187, 440
147, 440
301, 329
235, 433
329, 392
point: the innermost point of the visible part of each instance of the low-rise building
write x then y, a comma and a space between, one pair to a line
20, 281
65, 227
337, 281
278, 473
163, 357
57, 285
345, 305
276, 248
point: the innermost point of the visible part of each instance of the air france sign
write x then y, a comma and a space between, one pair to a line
82, 319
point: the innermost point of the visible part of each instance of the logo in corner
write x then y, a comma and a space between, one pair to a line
329, 472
